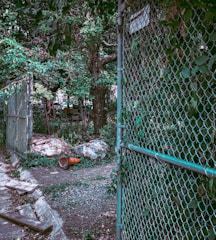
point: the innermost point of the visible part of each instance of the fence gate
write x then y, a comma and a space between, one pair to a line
19, 115
166, 133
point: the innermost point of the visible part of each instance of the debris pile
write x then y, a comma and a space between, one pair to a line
49, 145
37, 216
94, 150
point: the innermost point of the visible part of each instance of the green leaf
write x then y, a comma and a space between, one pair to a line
185, 73
194, 103
211, 61
210, 14
177, 88
166, 71
193, 204
201, 60
197, 4
141, 134
135, 44
204, 69
188, 14
212, 37
200, 190
146, 212
138, 122
124, 79
211, 235
194, 70
211, 184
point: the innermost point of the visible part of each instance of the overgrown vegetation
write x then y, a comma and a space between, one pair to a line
65, 45
34, 160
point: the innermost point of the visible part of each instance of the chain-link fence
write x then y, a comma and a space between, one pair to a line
19, 115
167, 114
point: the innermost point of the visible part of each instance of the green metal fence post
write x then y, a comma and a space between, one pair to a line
119, 130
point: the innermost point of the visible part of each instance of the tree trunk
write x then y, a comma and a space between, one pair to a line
98, 91
99, 119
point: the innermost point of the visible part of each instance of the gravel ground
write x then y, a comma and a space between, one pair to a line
82, 200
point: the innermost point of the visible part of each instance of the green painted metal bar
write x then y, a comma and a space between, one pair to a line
209, 172
119, 125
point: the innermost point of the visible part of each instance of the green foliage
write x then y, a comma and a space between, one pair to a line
194, 64
108, 134
16, 174
112, 188
56, 41
103, 8
34, 160
193, 68
13, 59
41, 91
86, 163
39, 119
8, 91
169, 107
71, 132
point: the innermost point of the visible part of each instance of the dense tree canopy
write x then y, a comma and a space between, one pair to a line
64, 43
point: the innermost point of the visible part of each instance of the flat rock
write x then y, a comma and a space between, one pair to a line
27, 211
25, 221
5, 168
4, 179
5, 200
47, 215
27, 176
21, 185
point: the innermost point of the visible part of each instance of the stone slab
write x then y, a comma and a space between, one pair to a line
25, 221
21, 185
47, 214
27, 211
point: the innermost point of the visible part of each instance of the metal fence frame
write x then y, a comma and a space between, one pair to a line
126, 150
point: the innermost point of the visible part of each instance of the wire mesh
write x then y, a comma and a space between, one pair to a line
168, 90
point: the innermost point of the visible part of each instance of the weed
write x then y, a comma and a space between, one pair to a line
112, 188
56, 189
70, 204
34, 160
108, 133
87, 236
16, 174
98, 178
86, 163
79, 184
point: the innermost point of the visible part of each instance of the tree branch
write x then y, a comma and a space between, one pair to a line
126, 4
106, 44
107, 59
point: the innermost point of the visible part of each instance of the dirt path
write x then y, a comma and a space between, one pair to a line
82, 200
